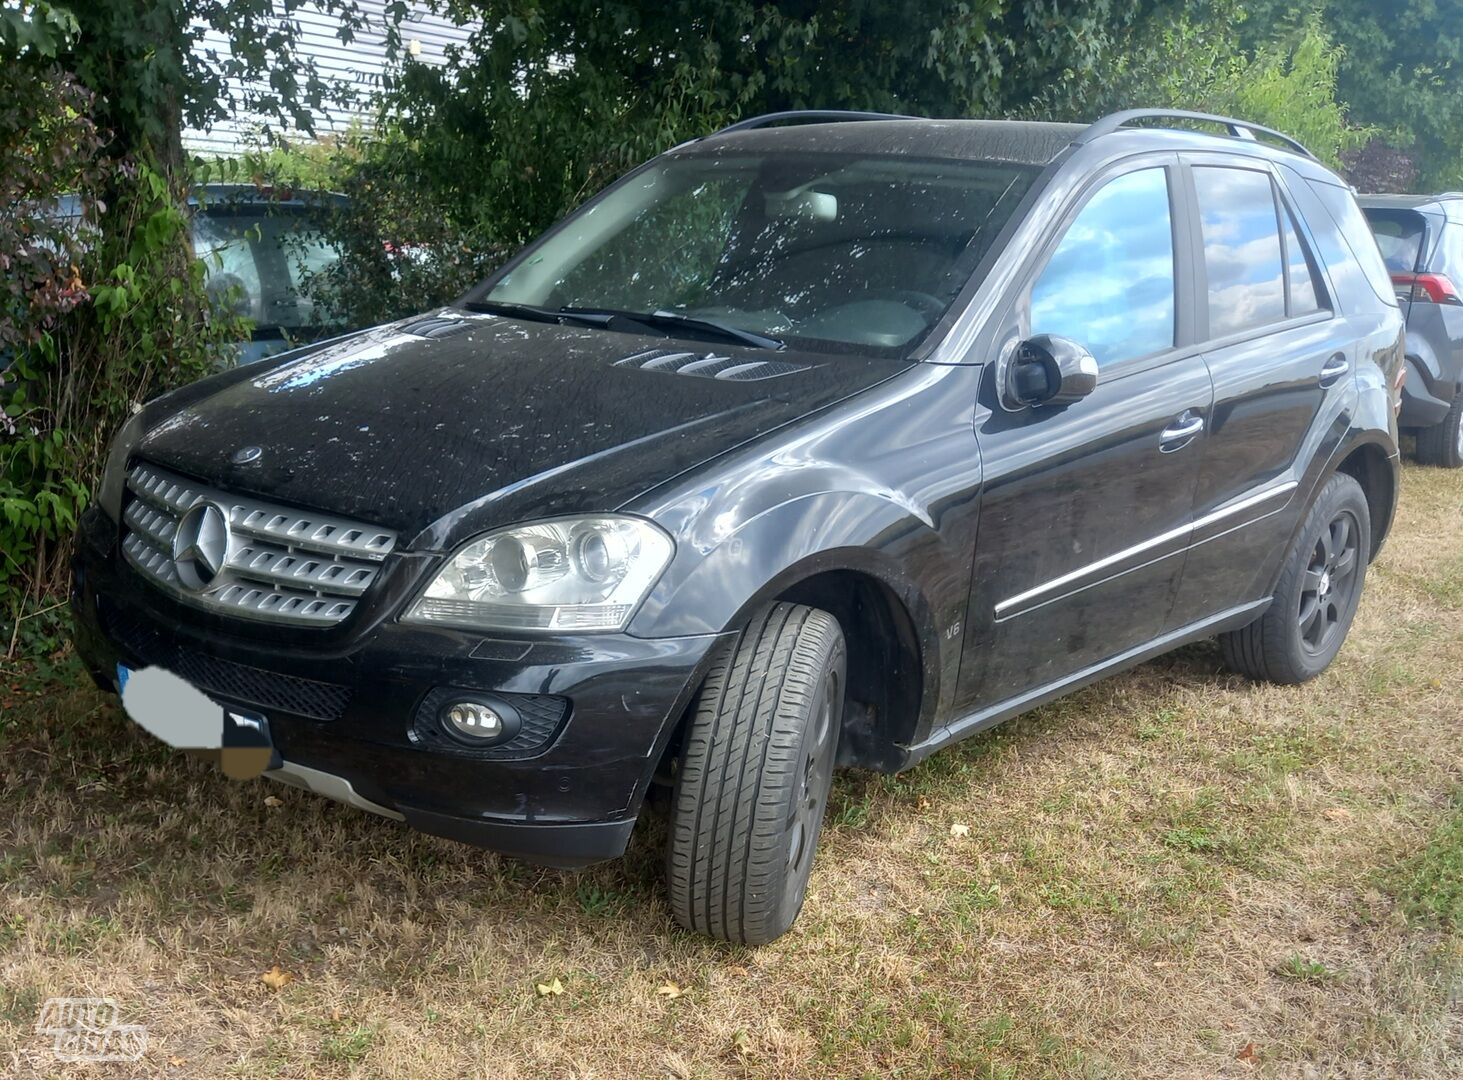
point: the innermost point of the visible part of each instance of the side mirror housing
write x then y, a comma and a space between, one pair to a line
1050, 370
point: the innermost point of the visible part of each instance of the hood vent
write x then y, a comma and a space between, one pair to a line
436, 326
709, 365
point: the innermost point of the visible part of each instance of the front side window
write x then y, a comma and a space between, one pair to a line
1241, 249
827, 251
1110, 284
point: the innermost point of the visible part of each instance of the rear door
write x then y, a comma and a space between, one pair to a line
1085, 509
1277, 352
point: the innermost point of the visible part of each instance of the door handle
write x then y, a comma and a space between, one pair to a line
1334, 368
1181, 432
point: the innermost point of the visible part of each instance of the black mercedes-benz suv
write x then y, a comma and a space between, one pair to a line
825, 440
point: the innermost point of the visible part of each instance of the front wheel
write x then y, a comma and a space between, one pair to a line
753, 777
1317, 594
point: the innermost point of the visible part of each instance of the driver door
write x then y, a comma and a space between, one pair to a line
1086, 508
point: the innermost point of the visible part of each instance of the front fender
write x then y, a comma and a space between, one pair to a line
885, 485
725, 567
719, 578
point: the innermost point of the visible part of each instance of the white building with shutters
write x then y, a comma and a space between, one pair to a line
359, 64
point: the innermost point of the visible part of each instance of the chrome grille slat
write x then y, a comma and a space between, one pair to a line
155, 526
281, 565
242, 527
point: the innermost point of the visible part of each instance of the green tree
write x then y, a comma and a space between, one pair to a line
549, 101
1197, 58
103, 302
1401, 71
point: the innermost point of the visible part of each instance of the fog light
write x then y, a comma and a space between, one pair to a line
472, 720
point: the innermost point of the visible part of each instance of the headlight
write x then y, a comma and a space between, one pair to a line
584, 573
114, 476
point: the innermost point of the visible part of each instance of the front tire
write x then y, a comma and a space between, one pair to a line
1317, 594
1442, 444
754, 774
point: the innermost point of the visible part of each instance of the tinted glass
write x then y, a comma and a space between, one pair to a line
1449, 257
1109, 285
1241, 249
264, 260
823, 250
232, 273
1341, 205
1399, 236
1304, 293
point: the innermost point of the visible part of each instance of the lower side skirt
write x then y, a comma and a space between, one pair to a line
976, 722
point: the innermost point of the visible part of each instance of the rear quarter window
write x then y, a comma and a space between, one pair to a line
1449, 257
1356, 236
1400, 235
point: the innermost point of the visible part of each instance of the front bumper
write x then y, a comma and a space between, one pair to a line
601, 709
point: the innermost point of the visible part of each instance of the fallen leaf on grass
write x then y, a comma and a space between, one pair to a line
671, 989
1248, 1054
273, 800
276, 978
958, 829
554, 988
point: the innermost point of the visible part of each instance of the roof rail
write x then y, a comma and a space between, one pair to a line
821, 116
1240, 129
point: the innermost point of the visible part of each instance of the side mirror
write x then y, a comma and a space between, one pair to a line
1050, 370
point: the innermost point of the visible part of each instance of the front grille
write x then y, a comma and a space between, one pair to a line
277, 564
267, 690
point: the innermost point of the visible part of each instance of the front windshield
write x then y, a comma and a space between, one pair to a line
824, 251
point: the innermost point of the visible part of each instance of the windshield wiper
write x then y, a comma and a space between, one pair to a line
603, 317
538, 314
664, 319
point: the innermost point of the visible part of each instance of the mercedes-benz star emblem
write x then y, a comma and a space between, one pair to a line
201, 545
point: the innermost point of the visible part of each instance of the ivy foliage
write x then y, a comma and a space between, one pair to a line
102, 302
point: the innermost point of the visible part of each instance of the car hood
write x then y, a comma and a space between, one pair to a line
455, 420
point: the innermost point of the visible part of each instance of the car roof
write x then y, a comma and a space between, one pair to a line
1447, 203
218, 196
1025, 142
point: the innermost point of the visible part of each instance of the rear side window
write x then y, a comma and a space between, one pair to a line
1242, 249
1399, 236
1341, 205
1300, 271
1110, 284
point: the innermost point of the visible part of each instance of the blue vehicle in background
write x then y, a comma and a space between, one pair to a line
262, 247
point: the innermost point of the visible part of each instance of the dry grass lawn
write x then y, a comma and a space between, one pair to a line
1174, 873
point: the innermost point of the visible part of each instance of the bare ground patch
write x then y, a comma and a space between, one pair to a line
1173, 873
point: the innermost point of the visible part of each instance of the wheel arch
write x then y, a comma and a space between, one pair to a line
885, 686
1370, 466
